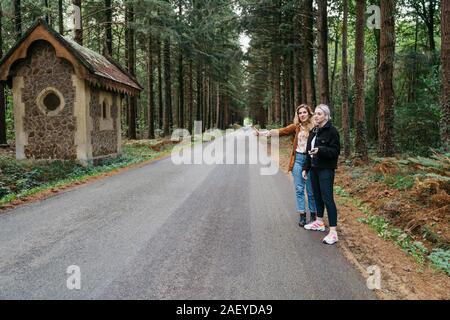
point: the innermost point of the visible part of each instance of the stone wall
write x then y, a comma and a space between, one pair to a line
48, 136
104, 142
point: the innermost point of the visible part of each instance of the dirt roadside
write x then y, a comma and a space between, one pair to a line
401, 276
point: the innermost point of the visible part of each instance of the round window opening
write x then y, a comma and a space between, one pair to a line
51, 101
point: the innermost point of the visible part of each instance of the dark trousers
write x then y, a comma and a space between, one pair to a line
322, 183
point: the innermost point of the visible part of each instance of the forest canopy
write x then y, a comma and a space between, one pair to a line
388, 87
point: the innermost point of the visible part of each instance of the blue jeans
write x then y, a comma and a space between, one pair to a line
299, 184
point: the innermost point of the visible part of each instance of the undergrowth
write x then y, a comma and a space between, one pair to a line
24, 178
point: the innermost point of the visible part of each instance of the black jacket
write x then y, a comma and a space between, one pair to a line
327, 140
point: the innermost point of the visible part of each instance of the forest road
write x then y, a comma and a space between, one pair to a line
166, 231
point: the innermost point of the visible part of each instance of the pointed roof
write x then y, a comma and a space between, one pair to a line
95, 68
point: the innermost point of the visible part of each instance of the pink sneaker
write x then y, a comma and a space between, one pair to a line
331, 238
315, 226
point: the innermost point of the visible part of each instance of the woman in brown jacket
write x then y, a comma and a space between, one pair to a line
303, 123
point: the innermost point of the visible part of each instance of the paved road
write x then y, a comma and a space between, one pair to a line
168, 231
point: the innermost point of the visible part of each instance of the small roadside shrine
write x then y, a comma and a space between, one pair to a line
67, 98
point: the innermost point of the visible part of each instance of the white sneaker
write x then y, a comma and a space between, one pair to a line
331, 238
315, 226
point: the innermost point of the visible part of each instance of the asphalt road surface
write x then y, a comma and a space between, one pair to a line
167, 231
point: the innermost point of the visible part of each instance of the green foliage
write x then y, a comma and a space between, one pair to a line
340, 191
384, 230
22, 178
417, 127
440, 260
415, 248
398, 181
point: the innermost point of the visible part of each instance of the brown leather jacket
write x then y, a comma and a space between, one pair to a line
291, 129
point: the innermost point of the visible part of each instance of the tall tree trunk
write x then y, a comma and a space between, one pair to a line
18, 18
2, 89
205, 101
181, 91
78, 33
308, 40
386, 139
360, 123
191, 97
199, 81
132, 69
277, 88
47, 16
151, 93
430, 24
160, 93
292, 87
445, 57
322, 52
108, 27
167, 88
60, 17
297, 80
217, 105
345, 102
374, 115
181, 123
333, 74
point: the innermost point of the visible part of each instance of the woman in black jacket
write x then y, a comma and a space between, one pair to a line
323, 149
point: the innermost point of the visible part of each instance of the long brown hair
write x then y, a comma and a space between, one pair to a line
309, 124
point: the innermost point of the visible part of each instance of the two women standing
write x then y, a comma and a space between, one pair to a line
313, 161
323, 151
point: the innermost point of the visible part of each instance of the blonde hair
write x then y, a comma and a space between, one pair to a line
309, 124
325, 109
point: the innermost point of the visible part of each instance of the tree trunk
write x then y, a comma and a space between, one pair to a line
386, 147
308, 66
78, 33
430, 24
2, 89
18, 18
345, 102
217, 105
374, 115
199, 81
360, 124
191, 97
151, 93
108, 27
47, 17
322, 53
167, 88
297, 80
277, 88
60, 17
333, 74
445, 57
132, 69
160, 94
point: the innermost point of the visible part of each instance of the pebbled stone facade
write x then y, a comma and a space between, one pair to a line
104, 142
48, 137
